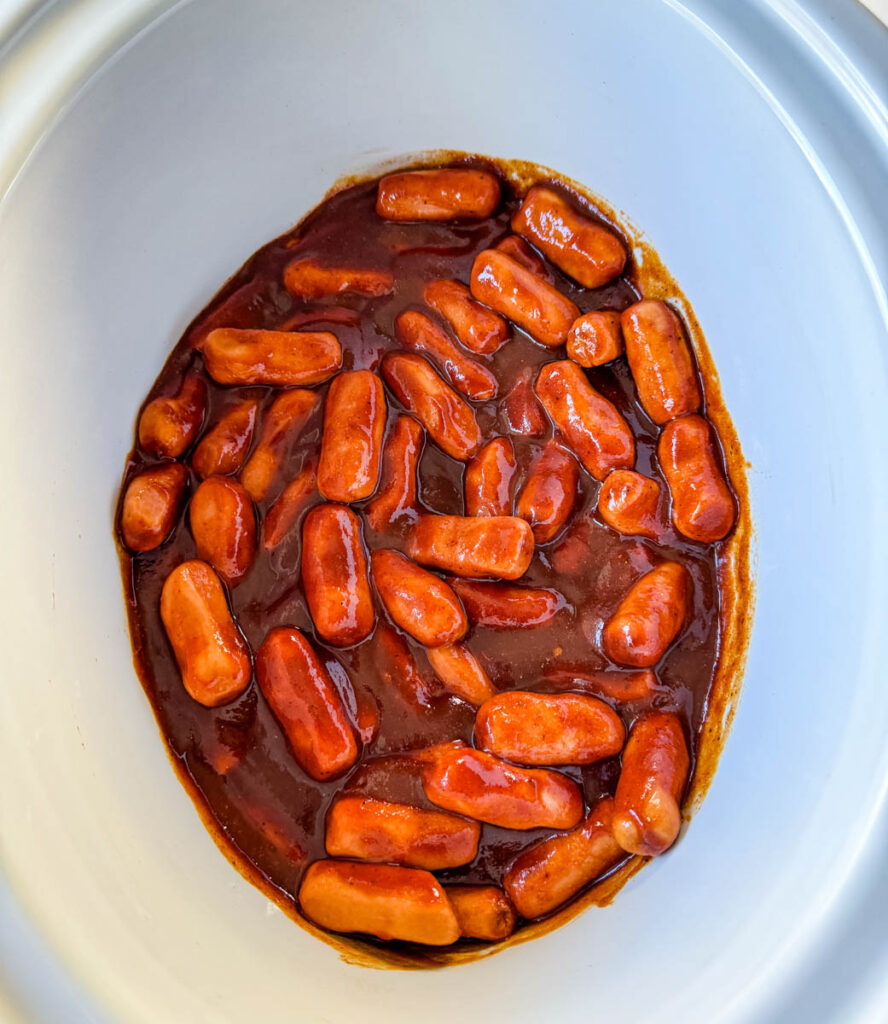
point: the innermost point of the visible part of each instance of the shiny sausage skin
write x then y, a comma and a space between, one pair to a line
483, 911
416, 332
595, 338
649, 617
527, 300
703, 507
167, 426
293, 500
591, 425
461, 673
477, 327
448, 193
629, 502
551, 872
647, 804
515, 247
488, 480
279, 359
378, 899
212, 655
500, 606
548, 729
549, 493
151, 505
660, 360
585, 250
361, 827
334, 575
500, 546
622, 686
307, 279
418, 601
305, 702
524, 414
483, 787
351, 445
223, 525
284, 422
223, 448
396, 497
450, 422
398, 668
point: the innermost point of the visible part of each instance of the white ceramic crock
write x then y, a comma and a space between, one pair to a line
164, 144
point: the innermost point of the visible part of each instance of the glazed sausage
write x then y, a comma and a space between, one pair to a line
584, 249
222, 450
223, 525
649, 617
448, 419
306, 279
595, 338
548, 729
415, 331
500, 606
702, 504
647, 808
461, 673
280, 359
483, 911
396, 498
477, 327
304, 700
293, 500
379, 899
549, 873
213, 657
418, 601
549, 493
628, 502
515, 247
167, 426
524, 415
398, 667
447, 193
488, 480
660, 360
351, 446
591, 425
526, 299
334, 575
284, 422
621, 686
361, 827
500, 546
483, 787
150, 506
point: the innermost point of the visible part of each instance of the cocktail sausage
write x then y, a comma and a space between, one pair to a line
500, 546
446, 193
351, 445
649, 617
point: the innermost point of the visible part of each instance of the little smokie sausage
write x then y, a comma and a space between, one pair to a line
223, 449
293, 500
477, 327
500, 606
284, 422
279, 359
515, 247
481, 786
483, 911
584, 249
150, 506
629, 502
649, 617
396, 498
361, 827
212, 655
647, 804
415, 331
167, 426
448, 193
448, 419
223, 525
307, 279
308, 706
595, 338
703, 507
418, 601
524, 414
500, 546
461, 673
549, 873
378, 899
660, 360
351, 445
334, 575
397, 667
591, 425
488, 480
621, 686
526, 299
549, 493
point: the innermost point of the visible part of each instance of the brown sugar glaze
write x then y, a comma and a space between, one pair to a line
263, 810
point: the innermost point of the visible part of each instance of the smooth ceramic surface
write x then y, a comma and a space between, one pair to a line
749, 141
